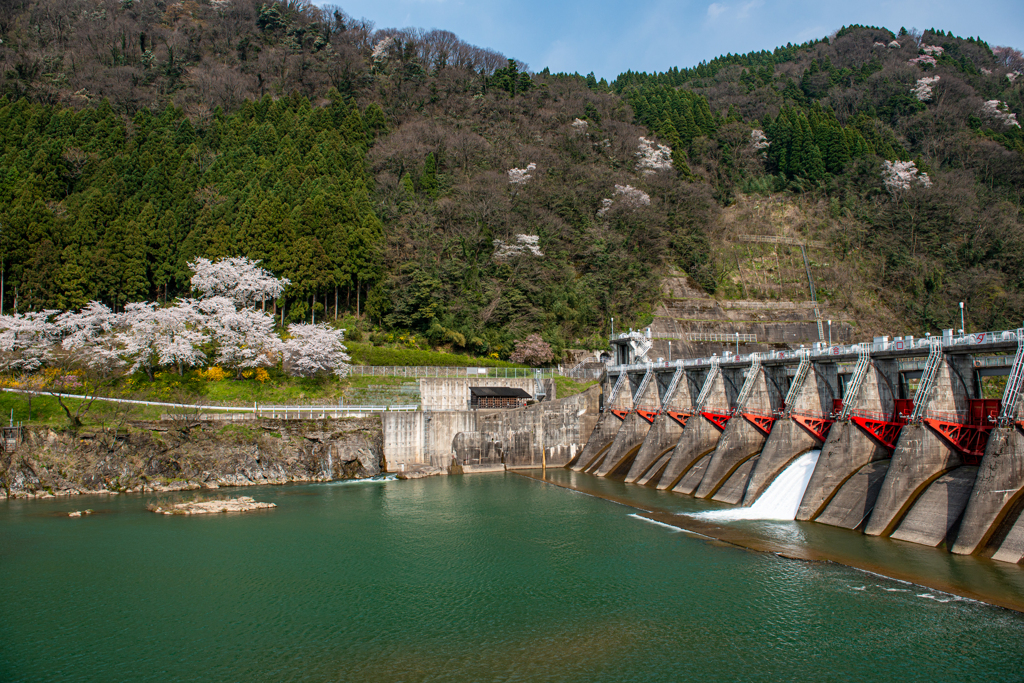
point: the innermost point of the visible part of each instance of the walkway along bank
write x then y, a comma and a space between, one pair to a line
910, 448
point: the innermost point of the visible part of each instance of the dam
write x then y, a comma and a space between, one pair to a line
912, 446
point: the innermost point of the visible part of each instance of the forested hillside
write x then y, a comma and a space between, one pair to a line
445, 191
911, 141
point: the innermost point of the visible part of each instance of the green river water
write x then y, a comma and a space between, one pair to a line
477, 578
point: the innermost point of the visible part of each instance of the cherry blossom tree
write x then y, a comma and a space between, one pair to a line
245, 338
533, 351
521, 176
314, 350
87, 336
628, 196
240, 279
524, 244
26, 340
154, 336
1000, 112
653, 157
379, 55
923, 60
580, 126
759, 141
898, 177
923, 90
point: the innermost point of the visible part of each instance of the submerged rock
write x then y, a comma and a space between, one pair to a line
240, 504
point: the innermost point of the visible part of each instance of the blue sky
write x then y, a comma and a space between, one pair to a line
609, 37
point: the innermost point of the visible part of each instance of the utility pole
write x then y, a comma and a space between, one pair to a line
963, 328
830, 333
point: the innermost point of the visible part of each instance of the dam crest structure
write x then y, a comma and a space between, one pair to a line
910, 447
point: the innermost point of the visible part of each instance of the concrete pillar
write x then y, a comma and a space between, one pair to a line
665, 432
788, 440
1012, 548
921, 455
607, 426
853, 501
848, 448
997, 490
933, 519
740, 441
632, 432
700, 437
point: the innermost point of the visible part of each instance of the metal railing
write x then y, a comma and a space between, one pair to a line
427, 371
955, 344
797, 385
1014, 384
324, 411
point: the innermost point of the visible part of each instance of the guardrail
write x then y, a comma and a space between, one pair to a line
427, 371
325, 411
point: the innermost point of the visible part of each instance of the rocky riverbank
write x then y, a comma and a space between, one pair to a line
168, 456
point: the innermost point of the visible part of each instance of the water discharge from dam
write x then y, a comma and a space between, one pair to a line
780, 501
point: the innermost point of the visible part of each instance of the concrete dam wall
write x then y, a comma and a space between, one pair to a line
909, 447
550, 433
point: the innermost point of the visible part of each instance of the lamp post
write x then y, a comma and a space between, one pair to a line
613, 328
830, 333
963, 328
737, 343
670, 352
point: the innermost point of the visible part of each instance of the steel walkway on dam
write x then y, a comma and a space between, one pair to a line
910, 446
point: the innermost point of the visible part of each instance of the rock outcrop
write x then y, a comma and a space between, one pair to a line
207, 507
167, 456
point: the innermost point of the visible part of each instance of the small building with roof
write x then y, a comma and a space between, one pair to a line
497, 397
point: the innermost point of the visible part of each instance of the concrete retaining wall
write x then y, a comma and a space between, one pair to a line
423, 438
550, 433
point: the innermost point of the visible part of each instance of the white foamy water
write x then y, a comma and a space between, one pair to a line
782, 499
379, 479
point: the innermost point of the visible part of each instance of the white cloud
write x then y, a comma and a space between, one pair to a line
745, 9
714, 9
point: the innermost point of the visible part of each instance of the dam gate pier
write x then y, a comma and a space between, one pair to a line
910, 446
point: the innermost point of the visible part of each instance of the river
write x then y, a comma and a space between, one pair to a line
493, 577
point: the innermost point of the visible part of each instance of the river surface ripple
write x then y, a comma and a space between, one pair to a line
483, 577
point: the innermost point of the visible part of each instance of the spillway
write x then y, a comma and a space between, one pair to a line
780, 501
